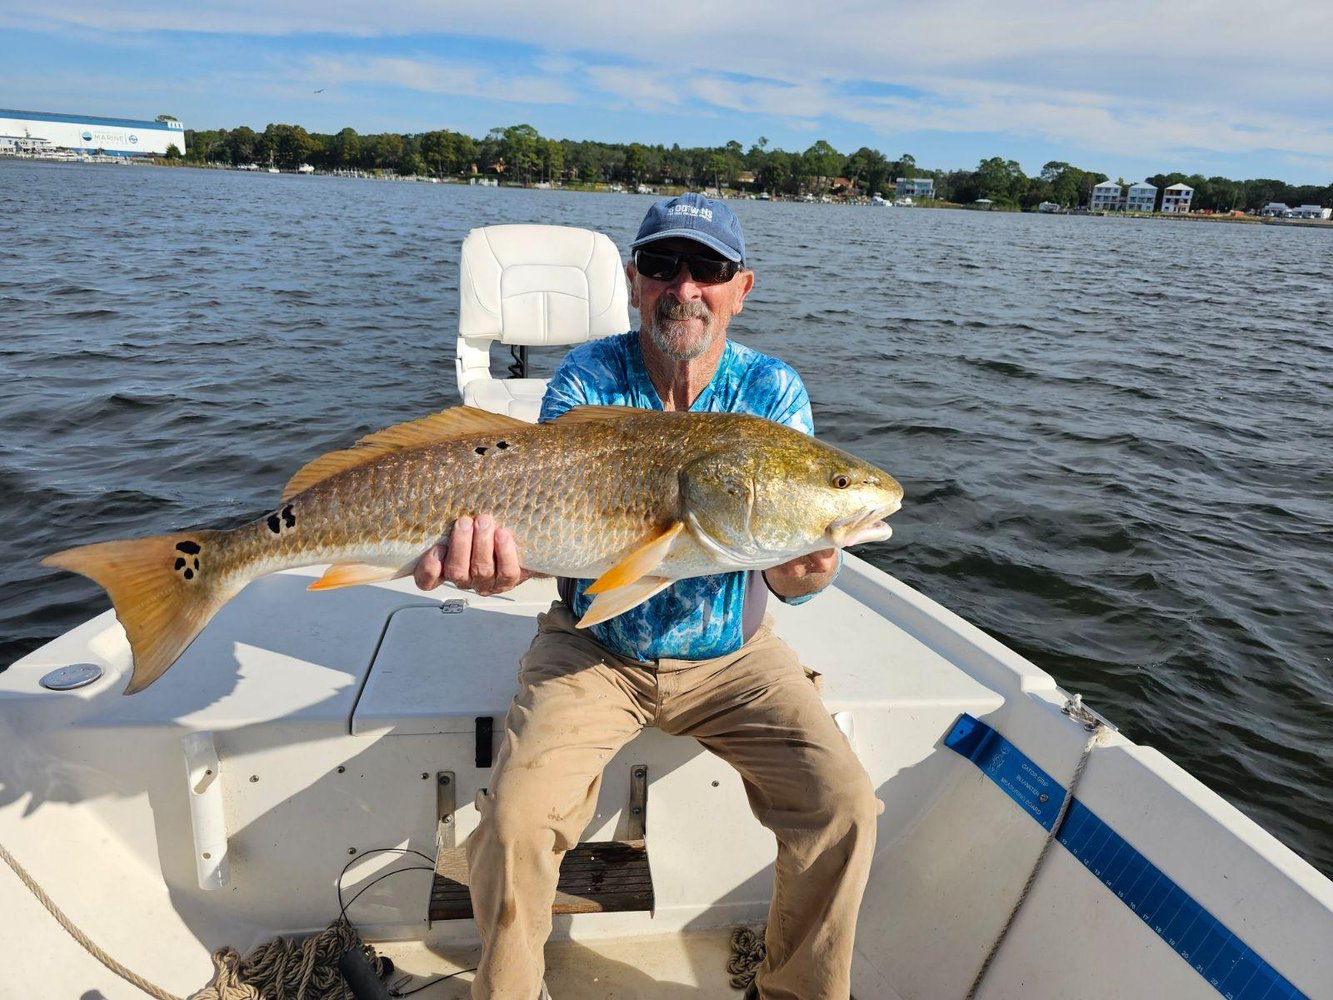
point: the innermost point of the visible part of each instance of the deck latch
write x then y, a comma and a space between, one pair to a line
485, 724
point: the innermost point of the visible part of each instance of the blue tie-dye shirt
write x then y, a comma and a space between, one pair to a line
705, 616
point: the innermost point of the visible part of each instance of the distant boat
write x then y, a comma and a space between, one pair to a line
305, 168
274, 170
878, 199
903, 202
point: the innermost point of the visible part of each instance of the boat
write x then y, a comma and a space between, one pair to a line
904, 202
280, 773
880, 201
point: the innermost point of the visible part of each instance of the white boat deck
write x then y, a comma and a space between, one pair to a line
658, 967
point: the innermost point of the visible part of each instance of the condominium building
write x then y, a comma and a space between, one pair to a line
1142, 197
1106, 197
1176, 198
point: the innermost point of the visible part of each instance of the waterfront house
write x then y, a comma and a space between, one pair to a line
1176, 198
1276, 209
1106, 197
1142, 197
915, 187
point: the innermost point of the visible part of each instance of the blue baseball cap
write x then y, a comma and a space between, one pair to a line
693, 217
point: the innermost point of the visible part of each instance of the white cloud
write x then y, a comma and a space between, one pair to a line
433, 76
1137, 77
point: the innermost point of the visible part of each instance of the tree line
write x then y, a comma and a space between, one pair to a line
519, 154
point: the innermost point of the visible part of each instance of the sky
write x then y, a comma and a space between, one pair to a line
1215, 87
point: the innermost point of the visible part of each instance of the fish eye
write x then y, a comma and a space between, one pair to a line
842, 481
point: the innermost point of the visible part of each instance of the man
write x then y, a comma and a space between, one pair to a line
697, 659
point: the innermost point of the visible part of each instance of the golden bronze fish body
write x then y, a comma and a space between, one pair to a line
633, 498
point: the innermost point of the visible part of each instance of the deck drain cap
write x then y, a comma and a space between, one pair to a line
76, 675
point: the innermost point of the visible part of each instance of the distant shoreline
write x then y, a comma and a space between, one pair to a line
662, 190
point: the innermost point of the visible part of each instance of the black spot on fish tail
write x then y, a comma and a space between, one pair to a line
502, 445
482, 449
274, 524
189, 574
288, 518
189, 548
180, 563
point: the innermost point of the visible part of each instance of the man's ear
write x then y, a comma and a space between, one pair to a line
747, 284
631, 278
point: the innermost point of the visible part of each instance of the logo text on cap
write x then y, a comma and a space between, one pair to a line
697, 210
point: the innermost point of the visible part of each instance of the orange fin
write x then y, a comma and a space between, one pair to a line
442, 426
594, 414
165, 590
640, 562
610, 603
350, 574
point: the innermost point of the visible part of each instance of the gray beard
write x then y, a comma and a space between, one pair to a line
673, 337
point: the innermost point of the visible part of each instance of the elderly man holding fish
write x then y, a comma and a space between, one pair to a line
695, 658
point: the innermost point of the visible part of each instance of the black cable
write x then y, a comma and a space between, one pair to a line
423, 986
342, 907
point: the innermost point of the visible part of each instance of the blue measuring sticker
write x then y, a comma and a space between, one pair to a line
1214, 952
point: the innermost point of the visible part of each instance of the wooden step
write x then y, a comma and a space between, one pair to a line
601, 877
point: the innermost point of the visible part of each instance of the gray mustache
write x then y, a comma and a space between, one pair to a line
682, 310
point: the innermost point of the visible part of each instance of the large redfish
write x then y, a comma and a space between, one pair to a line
633, 498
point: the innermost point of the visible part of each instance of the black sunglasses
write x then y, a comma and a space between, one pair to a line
662, 266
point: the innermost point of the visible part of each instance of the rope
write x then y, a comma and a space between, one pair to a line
747, 954
289, 969
1075, 710
281, 969
78, 935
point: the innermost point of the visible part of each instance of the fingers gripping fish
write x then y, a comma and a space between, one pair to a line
633, 499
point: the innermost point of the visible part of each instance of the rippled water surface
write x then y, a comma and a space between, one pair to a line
1115, 435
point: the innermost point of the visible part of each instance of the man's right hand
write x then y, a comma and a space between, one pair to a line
479, 557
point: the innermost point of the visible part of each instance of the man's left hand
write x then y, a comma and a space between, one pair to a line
804, 574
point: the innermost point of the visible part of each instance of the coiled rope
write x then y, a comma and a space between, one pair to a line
281, 969
1075, 709
747, 954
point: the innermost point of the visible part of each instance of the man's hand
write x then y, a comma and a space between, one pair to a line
479, 556
804, 574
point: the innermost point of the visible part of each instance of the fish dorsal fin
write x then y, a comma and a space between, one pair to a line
443, 426
595, 414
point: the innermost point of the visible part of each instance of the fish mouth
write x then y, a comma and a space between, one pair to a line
866, 525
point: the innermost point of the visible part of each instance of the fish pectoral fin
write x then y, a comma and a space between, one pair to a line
640, 562
610, 603
350, 574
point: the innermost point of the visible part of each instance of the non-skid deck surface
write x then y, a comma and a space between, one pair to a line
605, 877
689, 966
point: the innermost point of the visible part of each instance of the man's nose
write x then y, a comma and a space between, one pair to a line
683, 286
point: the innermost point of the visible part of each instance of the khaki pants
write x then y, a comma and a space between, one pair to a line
578, 704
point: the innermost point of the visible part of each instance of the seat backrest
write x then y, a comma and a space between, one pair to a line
538, 286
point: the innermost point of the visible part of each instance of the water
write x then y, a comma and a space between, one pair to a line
1114, 434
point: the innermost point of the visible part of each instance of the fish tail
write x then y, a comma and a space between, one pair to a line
165, 589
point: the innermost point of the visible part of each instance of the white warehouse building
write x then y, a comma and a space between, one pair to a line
35, 131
